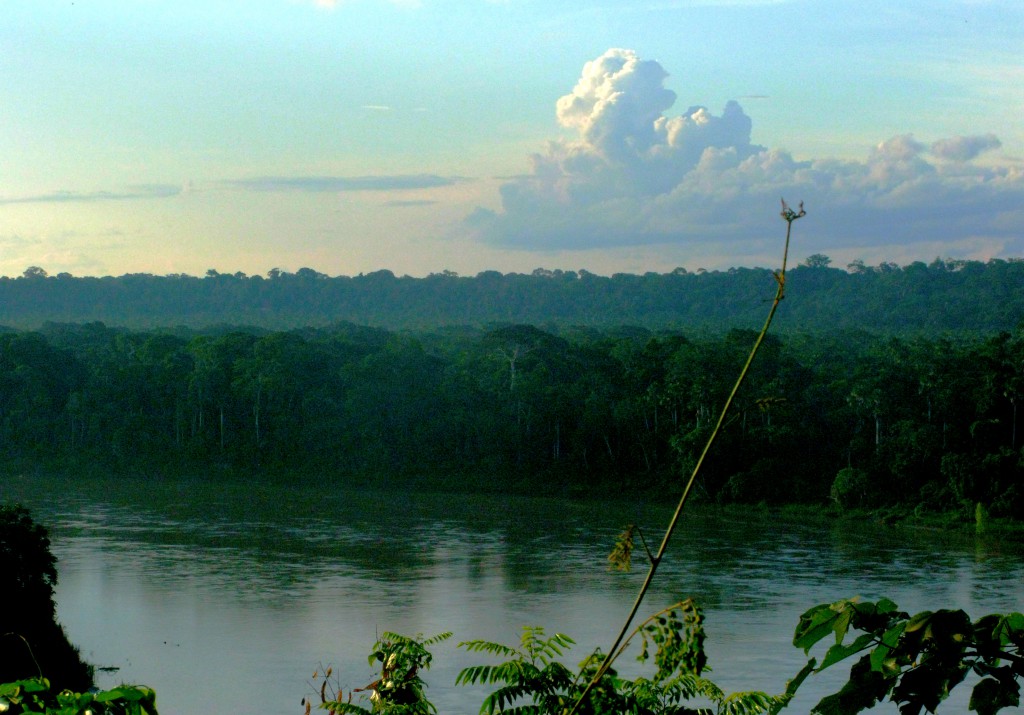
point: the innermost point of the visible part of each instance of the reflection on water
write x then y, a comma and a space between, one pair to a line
229, 597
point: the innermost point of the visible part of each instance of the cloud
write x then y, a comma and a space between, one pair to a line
400, 182
131, 193
965, 148
407, 204
633, 175
312, 184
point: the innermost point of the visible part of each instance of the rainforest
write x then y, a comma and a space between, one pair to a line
880, 386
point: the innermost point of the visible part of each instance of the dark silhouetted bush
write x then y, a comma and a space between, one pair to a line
32, 643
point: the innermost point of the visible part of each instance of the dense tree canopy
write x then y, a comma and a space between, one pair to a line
861, 419
943, 295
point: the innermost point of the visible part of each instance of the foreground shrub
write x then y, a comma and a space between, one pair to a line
911, 661
35, 695
533, 679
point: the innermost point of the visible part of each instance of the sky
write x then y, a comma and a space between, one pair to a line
419, 136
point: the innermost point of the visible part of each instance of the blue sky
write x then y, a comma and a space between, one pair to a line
425, 135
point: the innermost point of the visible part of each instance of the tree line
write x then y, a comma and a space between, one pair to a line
943, 295
862, 419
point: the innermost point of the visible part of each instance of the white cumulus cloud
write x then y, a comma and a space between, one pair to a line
632, 174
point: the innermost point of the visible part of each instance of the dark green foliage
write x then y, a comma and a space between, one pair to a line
677, 636
915, 422
532, 679
944, 295
915, 661
852, 488
400, 689
32, 642
531, 674
36, 695
912, 661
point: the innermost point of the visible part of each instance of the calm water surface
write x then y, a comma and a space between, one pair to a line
227, 598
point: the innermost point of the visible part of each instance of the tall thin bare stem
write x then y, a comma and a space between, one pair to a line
789, 216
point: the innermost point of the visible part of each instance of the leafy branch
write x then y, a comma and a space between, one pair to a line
531, 671
36, 695
915, 661
399, 689
532, 680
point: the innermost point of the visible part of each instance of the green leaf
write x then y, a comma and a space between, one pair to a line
886, 606
751, 703
842, 624
880, 660
434, 640
863, 690
128, 693
474, 674
928, 684
990, 696
497, 649
840, 652
817, 623
34, 685
342, 708
1011, 629
793, 685
918, 621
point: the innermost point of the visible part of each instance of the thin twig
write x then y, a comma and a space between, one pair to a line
647, 549
28, 648
789, 216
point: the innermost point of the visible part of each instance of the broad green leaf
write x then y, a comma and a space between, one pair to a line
1012, 629
1015, 621
793, 685
886, 606
842, 623
918, 621
840, 652
129, 693
880, 660
34, 685
863, 690
817, 623
990, 696
926, 685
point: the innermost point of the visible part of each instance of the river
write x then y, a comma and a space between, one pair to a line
226, 598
